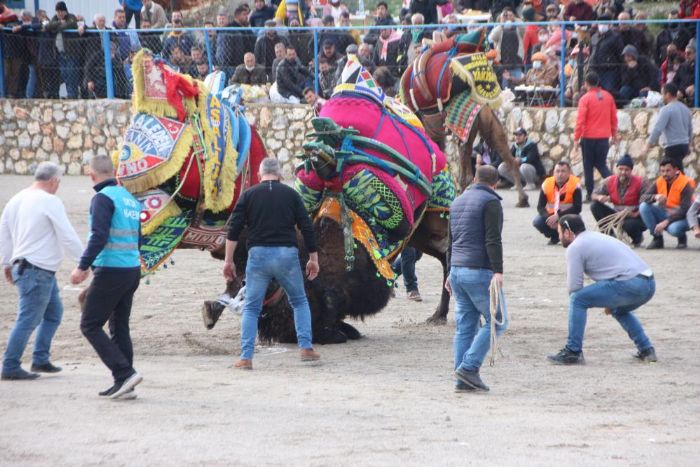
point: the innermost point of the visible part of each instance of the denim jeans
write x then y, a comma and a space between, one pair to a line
39, 306
622, 297
70, 74
652, 215
470, 288
406, 265
281, 264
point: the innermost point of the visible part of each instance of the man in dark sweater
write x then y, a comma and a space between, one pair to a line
270, 211
639, 75
476, 261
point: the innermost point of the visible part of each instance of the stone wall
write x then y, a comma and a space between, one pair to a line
69, 132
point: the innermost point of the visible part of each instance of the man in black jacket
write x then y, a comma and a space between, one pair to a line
69, 51
685, 76
249, 72
265, 46
271, 211
528, 156
292, 76
232, 46
639, 75
605, 57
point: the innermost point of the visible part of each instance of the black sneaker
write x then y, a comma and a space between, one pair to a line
47, 367
553, 241
19, 375
657, 243
471, 378
461, 387
567, 357
127, 385
647, 356
682, 242
110, 391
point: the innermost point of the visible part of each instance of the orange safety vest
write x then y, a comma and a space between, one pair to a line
559, 198
673, 196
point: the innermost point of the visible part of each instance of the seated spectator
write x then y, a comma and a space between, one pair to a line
665, 205
292, 78
280, 54
560, 195
648, 44
179, 59
552, 12
684, 78
574, 84
386, 50
154, 14
261, 14
150, 40
544, 72
639, 76
623, 191
364, 54
184, 40
249, 72
313, 100
672, 33
197, 54
508, 43
334, 8
579, 10
630, 35
340, 64
265, 47
528, 156
385, 80
199, 70
301, 40
606, 55
670, 66
326, 78
412, 39
329, 52
382, 18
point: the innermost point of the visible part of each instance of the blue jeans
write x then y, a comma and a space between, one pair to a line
39, 305
652, 215
281, 264
406, 265
470, 288
70, 74
622, 297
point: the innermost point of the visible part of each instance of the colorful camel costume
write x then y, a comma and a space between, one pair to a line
452, 87
186, 156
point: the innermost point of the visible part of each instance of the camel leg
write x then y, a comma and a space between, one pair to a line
492, 131
466, 174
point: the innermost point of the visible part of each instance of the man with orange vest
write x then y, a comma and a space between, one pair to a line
560, 195
666, 204
623, 191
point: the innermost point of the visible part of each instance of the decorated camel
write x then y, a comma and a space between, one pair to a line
452, 87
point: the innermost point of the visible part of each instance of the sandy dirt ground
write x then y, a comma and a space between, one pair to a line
385, 399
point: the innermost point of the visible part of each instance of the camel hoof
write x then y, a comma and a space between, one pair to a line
349, 331
437, 320
331, 336
523, 203
211, 312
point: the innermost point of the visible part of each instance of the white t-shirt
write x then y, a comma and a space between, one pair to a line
34, 226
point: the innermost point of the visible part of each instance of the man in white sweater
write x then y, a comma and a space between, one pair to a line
622, 283
34, 234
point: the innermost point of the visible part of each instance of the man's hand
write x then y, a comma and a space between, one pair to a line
91, 86
8, 275
497, 279
601, 198
646, 148
660, 227
661, 199
552, 221
448, 286
16, 28
616, 138
229, 270
78, 276
312, 269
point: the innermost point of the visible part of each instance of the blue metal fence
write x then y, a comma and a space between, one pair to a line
109, 36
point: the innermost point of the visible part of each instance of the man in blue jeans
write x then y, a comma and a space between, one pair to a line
623, 283
34, 233
476, 261
270, 211
406, 265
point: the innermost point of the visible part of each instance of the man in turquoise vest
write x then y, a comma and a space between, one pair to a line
113, 254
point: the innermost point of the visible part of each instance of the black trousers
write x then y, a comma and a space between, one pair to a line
634, 226
677, 152
540, 223
109, 298
595, 155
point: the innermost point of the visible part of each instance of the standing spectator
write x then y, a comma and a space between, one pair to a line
94, 70
623, 190
354, 34
386, 51
499, 6
649, 41
232, 46
508, 43
265, 47
35, 234
531, 35
528, 157
334, 8
630, 35
7, 16
113, 254
476, 264
184, 40
16, 57
68, 51
150, 40
623, 283
132, 8
154, 13
249, 72
579, 10
552, 12
27, 38
301, 41
606, 54
596, 125
292, 77
560, 195
48, 71
684, 78
382, 18
665, 205
676, 123
427, 8
271, 210
123, 39
261, 14
639, 75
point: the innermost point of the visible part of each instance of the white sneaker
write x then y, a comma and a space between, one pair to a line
127, 385
127, 396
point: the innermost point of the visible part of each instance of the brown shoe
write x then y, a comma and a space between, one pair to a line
244, 364
414, 295
309, 355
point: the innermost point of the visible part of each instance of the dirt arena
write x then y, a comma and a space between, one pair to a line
385, 399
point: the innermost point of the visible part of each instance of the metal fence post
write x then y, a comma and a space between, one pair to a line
316, 85
109, 75
696, 97
207, 45
562, 64
2, 65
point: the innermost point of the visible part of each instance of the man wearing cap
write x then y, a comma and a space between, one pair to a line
560, 195
623, 190
675, 122
666, 203
527, 155
639, 75
623, 283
